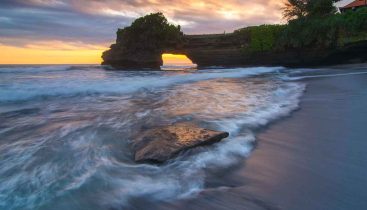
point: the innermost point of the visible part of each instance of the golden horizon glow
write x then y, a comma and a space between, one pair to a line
82, 37
49, 55
176, 59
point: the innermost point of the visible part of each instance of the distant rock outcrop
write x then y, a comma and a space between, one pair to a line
160, 144
142, 44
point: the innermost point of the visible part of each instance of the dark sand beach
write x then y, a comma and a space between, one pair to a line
314, 159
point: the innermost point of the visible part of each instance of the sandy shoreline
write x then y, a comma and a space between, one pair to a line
315, 159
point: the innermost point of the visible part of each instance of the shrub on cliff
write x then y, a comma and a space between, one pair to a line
312, 24
325, 32
312, 33
262, 38
149, 33
356, 22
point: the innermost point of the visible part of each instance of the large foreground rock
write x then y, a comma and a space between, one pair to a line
163, 143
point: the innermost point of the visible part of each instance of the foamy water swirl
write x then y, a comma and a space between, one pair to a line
66, 131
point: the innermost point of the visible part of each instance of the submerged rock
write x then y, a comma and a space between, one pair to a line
163, 143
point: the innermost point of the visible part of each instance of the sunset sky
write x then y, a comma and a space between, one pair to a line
77, 31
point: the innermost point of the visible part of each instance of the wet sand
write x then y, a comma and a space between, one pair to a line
315, 159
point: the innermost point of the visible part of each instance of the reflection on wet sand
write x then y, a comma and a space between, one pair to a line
221, 97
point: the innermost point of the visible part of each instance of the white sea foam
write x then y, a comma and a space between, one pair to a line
186, 176
67, 152
70, 83
296, 78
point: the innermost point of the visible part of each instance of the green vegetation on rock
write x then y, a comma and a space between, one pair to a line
327, 32
150, 33
314, 34
142, 43
260, 38
313, 24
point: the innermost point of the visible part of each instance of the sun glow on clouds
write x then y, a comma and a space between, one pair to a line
60, 45
27, 26
189, 12
112, 12
231, 15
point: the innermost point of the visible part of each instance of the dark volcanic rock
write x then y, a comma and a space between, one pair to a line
142, 44
225, 50
161, 144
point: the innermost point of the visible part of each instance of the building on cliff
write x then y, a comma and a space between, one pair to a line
354, 5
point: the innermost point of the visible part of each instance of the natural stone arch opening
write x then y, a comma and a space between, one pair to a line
173, 61
141, 45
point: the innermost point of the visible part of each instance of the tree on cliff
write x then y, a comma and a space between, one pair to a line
296, 9
151, 32
311, 24
142, 43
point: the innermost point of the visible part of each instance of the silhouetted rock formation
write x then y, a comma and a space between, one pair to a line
161, 144
142, 44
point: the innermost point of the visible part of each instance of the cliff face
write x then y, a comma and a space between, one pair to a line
230, 50
213, 50
118, 58
335, 39
203, 50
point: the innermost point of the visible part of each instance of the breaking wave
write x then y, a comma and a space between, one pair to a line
66, 132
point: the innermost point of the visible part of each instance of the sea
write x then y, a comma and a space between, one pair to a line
66, 130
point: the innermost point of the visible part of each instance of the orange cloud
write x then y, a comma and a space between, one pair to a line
62, 45
190, 13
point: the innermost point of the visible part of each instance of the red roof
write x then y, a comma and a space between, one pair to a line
356, 3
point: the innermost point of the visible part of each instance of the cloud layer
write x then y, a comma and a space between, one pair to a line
93, 22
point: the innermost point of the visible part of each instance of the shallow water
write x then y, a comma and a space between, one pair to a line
65, 131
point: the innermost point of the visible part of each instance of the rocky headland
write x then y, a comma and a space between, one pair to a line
142, 44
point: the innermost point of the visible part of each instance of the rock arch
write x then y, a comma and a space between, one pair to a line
170, 59
203, 50
142, 44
